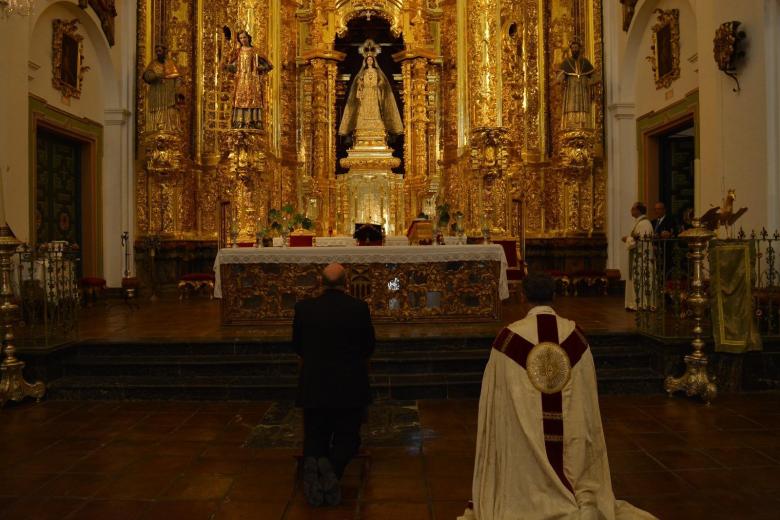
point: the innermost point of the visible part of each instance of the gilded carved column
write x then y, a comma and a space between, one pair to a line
489, 138
414, 68
534, 42
484, 63
489, 167
449, 117
323, 72
320, 148
419, 124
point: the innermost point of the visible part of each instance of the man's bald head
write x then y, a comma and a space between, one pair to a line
334, 276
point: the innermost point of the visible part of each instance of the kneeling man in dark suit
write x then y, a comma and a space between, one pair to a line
334, 337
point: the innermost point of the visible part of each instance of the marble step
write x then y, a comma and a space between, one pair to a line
243, 346
276, 364
396, 386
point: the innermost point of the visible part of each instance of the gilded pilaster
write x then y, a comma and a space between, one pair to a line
488, 180
323, 78
484, 63
288, 113
535, 138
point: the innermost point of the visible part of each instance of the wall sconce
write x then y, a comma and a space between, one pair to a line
728, 52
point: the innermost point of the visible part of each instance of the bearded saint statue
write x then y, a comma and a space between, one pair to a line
576, 74
248, 66
162, 76
371, 111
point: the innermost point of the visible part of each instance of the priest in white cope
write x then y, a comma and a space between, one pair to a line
639, 282
540, 445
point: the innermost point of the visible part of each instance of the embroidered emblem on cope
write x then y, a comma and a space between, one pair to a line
548, 367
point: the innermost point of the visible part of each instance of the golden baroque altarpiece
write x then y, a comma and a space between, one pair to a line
481, 105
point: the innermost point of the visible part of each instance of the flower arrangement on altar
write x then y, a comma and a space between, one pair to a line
281, 222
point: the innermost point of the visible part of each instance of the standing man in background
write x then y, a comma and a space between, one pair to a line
664, 225
334, 337
639, 259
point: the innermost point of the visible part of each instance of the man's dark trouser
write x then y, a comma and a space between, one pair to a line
332, 433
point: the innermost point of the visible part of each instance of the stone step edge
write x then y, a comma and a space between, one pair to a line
243, 359
291, 381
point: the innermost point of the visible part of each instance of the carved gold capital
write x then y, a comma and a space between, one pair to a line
163, 153
577, 148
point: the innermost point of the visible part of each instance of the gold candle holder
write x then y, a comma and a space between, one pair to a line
695, 380
12, 383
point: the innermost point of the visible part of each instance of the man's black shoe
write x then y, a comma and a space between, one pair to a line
329, 482
312, 488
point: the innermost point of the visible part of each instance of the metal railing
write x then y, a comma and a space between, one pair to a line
46, 282
661, 275
766, 290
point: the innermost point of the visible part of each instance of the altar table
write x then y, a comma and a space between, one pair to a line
400, 283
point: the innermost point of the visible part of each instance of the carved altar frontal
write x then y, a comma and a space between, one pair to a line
400, 284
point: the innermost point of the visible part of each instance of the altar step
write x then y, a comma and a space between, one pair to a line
400, 369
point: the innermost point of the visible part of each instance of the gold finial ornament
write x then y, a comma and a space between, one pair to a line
369, 48
548, 367
13, 387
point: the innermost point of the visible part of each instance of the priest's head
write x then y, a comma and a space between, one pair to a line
539, 288
334, 277
638, 209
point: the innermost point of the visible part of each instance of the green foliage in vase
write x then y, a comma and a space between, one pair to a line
443, 213
286, 220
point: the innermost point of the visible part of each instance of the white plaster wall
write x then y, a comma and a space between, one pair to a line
107, 96
772, 46
91, 103
739, 132
13, 125
648, 97
733, 134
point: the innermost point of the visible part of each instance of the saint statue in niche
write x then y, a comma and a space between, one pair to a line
162, 76
248, 66
576, 75
371, 111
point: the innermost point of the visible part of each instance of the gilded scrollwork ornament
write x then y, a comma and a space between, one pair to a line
163, 153
389, 10
727, 49
577, 148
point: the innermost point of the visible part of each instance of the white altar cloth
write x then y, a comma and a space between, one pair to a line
362, 255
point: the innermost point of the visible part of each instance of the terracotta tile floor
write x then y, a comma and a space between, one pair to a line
184, 460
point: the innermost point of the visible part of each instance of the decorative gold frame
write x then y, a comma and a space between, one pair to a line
62, 31
667, 20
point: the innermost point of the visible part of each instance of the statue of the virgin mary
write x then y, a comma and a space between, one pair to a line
370, 111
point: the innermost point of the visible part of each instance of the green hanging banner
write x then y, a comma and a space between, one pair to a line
731, 287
